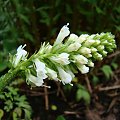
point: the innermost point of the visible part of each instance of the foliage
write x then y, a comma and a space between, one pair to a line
82, 93
33, 22
107, 71
25, 22
14, 105
60, 117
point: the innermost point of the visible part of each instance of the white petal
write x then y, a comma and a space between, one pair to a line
85, 50
83, 69
20, 55
82, 38
64, 32
51, 73
73, 37
62, 58
74, 47
80, 59
40, 69
35, 80
64, 76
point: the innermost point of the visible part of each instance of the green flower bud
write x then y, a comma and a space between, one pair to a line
97, 56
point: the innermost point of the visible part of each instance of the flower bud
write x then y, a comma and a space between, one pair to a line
73, 47
51, 73
85, 50
104, 53
93, 50
82, 38
35, 80
72, 37
65, 77
97, 56
88, 55
89, 42
100, 47
80, 59
90, 63
83, 69
62, 58
97, 42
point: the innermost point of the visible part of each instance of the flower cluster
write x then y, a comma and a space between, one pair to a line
62, 60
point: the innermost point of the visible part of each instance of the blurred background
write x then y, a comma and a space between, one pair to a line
94, 96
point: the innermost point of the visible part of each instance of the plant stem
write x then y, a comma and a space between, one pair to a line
7, 78
12, 73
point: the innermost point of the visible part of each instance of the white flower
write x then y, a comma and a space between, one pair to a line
82, 38
71, 73
74, 47
93, 49
85, 50
89, 42
65, 77
36, 80
40, 69
83, 68
92, 36
73, 37
80, 59
101, 47
20, 55
62, 58
51, 73
64, 32
97, 42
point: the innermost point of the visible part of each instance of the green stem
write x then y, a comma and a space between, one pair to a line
12, 73
7, 78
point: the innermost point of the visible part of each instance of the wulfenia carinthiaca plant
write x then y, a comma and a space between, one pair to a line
61, 60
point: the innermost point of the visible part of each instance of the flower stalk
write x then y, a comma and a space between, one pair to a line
60, 61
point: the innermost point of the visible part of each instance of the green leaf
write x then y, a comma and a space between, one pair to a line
57, 3
15, 116
1, 113
99, 10
117, 27
114, 65
27, 114
60, 117
95, 80
117, 9
82, 93
2, 97
24, 18
3, 66
79, 94
18, 111
106, 69
86, 97
8, 105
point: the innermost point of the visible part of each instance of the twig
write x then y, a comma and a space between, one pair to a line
109, 88
114, 54
60, 91
36, 93
46, 97
88, 83
71, 112
112, 104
